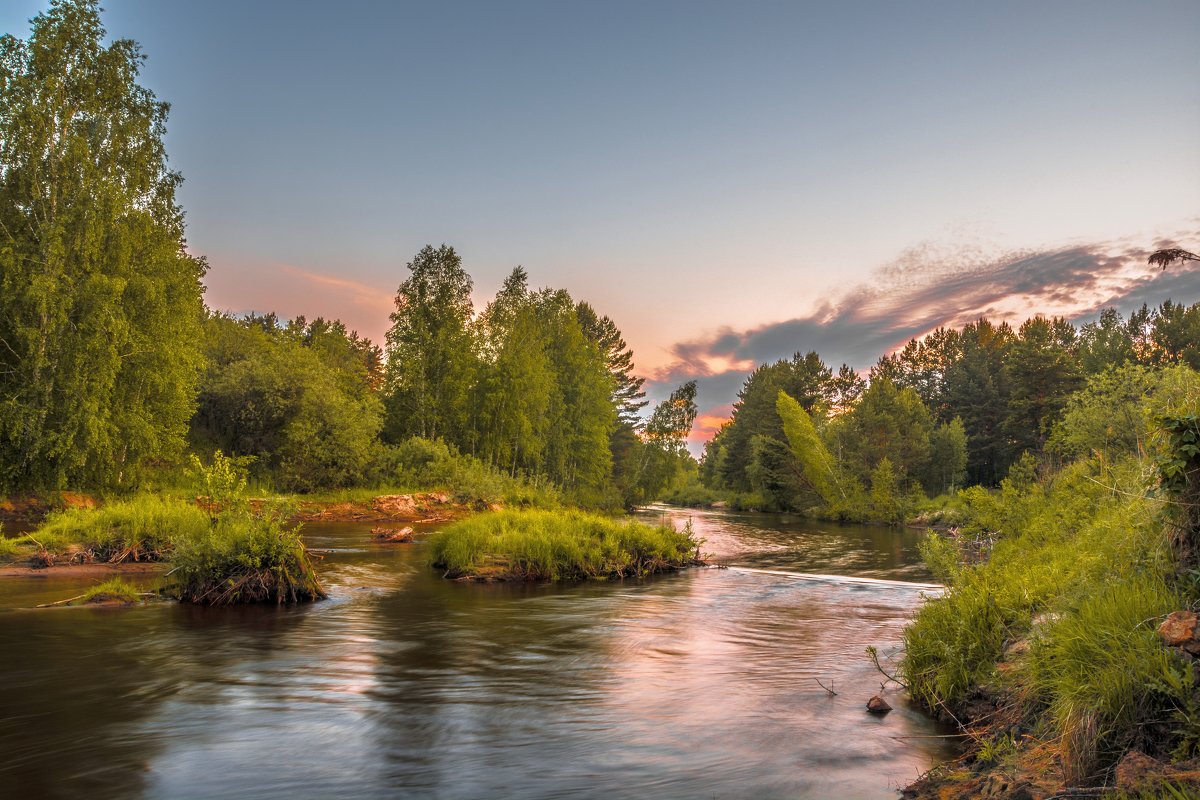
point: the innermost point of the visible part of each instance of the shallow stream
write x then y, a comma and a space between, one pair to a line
696, 685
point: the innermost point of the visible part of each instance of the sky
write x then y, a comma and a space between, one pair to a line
730, 182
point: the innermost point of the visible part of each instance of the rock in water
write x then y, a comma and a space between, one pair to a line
402, 535
877, 705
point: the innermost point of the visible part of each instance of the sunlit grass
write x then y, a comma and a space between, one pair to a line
558, 545
1083, 572
114, 590
140, 528
243, 559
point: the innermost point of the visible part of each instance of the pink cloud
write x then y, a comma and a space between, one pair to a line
241, 286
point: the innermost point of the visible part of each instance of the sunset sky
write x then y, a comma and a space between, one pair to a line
731, 182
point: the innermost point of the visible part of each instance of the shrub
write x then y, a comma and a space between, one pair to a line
240, 555
244, 559
424, 464
692, 494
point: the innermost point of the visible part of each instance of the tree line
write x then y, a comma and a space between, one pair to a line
111, 367
958, 407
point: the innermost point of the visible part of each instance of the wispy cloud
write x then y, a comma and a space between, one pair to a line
925, 288
243, 285
370, 297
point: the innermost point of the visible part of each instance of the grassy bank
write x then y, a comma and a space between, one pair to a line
1045, 646
222, 550
140, 528
559, 545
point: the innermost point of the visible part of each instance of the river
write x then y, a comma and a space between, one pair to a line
701, 684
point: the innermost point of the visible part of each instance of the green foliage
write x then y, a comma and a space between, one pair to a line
430, 352
942, 556
139, 528
99, 301
243, 558
11, 547
648, 466
223, 482
888, 423
947, 457
309, 424
1041, 370
581, 415
887, 502
112, 590
240, 554
628, 396
673, 419
1179, 460
977, 390
692, 494
1081, 571
423, 464
562, 545
817, 465
773, 474
805, 378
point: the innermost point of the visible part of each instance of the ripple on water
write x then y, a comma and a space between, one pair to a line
406, 685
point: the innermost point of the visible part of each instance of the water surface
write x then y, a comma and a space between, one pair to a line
701, 684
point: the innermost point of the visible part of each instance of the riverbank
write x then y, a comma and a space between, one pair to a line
409, 508
1051, 651
31, 554
82, 570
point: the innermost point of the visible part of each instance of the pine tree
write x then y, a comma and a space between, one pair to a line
628, 395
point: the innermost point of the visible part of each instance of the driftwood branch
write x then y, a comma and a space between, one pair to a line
832, 693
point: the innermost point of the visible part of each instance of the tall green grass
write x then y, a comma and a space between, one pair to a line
558, 545
139, 528
243, 559
113, 590
1083, 570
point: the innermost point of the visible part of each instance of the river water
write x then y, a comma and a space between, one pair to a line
701, 684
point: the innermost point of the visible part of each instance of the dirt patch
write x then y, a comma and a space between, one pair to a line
423, 507
82, 570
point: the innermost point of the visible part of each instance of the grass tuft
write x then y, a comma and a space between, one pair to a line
141, 528
244, 559
114, 590
1079, 573
558, 545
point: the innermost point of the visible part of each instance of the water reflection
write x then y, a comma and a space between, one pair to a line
406, 685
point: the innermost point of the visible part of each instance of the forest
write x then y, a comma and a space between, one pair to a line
955, 409
113, 371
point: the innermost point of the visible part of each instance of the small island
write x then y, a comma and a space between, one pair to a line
532, 545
